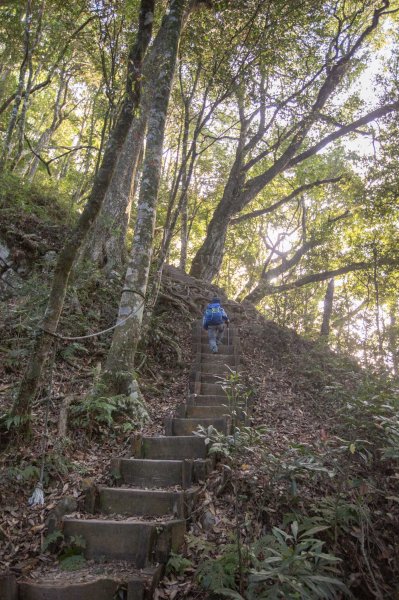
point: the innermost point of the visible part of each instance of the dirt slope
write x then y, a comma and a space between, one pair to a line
300, 392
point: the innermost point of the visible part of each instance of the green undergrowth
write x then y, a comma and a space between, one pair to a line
46, 202
307, 520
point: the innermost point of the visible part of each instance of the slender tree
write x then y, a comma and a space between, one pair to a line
119, 374
44, 337
328, 308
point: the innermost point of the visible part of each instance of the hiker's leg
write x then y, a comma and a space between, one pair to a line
220, 333
212, 338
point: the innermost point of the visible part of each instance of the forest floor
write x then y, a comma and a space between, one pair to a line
314, 458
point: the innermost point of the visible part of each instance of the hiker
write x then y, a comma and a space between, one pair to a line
214, 321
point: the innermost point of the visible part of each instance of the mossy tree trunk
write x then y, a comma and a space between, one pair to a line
327, 311
43, 342
119, 370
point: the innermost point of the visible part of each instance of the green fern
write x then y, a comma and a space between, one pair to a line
72, 563
52, 539
177, 564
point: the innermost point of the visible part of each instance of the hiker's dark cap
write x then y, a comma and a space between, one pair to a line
215, 299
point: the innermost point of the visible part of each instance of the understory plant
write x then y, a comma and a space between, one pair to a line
96, 413
286, 564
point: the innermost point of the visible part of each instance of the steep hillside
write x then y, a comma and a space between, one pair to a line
313, 458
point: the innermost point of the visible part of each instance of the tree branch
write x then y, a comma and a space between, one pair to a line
265, 289
371, 116
285, 200
49, 78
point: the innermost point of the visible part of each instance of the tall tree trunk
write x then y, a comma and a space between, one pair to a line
20, 88
208, 260
393, 340
327, 311
119, 374
25, 103
378, 323
68, 254
105, 245
184, 203
83, 179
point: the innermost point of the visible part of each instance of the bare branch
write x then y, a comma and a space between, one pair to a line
50, 76
368, 118
285, 200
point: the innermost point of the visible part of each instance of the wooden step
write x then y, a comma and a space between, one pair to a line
224, 350
212, 378
152, 503
212, 389
173, 448
96, 582
204, 411
218, 359
215, 368
190, 425
224, 345
148, 473
138, 542
208, 400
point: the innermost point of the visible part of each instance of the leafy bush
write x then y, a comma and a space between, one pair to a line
286, 565
293, 565
73, 563
237, 396
240, 440
390, 427
38, 199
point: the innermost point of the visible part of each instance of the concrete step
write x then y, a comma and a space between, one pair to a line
99, 582
218, 359
226, 340
212, 389
223, 345
189, 426
208, 400
214, 367
212, 378
138, 542
151, 503
204, 412
224, 350
173, 448
146, 473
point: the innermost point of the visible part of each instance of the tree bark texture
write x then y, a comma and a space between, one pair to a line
69, 252
20, 87
393, 340
106, 241
119, 375
327, 311
106, 244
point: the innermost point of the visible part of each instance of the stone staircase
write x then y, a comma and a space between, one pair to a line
130, 529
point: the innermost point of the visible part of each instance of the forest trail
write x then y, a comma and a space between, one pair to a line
129, 530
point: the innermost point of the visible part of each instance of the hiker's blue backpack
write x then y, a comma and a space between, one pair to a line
213, 315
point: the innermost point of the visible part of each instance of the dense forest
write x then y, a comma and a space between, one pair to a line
250, 146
